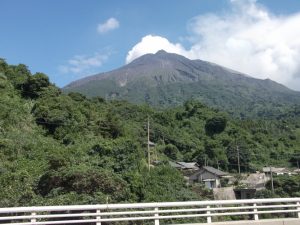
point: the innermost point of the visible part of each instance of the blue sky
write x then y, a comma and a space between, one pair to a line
70, 39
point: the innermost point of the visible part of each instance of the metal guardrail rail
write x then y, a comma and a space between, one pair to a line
109, 213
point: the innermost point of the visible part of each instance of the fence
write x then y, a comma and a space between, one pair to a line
156, 212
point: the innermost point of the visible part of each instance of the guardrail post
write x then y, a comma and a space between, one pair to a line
298, 208
33, 219
208, 213
156, 221
98, 217
255, 214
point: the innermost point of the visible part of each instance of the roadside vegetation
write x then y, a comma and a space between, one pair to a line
60, 148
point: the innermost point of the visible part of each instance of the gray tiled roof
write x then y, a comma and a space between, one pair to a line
175, 165
275, 170
215, 171
188, 165
184, 165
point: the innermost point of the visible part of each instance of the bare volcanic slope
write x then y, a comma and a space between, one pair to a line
164, 79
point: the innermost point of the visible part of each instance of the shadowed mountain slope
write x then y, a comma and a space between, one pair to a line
165, 79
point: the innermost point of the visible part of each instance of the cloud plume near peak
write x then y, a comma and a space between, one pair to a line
152, 44
248, 39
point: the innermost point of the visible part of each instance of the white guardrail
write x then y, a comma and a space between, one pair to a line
156, 212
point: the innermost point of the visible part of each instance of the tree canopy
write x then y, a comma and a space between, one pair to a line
58, 148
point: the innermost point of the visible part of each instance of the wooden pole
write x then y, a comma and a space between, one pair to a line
238, 158
148, 143
272, 183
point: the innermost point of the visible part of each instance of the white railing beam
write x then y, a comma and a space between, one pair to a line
33, 219
255, 212
99, 213
156, 222
146, 205
155, 212
208, 214
98, 217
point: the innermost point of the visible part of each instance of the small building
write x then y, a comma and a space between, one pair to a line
190, 166
224, 193
244, 193
296, 171
209, 175
255, 181
276, 171
151, 144
175, 165
250, 184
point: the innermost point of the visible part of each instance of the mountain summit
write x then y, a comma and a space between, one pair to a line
167, 79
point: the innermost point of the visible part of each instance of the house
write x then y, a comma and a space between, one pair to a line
209, 175
244, 193
255, 181
151, 144
224, 193
276, 171
190, 166
296, 171
175, 165
249, 184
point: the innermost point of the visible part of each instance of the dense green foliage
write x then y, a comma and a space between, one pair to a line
67, 149
284, 187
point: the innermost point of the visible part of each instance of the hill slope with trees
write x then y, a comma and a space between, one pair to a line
60, 148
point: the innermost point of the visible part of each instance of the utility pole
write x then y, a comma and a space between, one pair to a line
238, 158
272, 183
148, 143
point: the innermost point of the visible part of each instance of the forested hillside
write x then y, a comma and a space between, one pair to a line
67, 149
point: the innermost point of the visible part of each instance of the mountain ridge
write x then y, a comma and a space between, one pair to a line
167, 79
145, 58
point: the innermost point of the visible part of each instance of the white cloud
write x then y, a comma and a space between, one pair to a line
248, 38
82, 64
110, 24
251, 40
152, 44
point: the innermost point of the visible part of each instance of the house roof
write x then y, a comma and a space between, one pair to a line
151, 143
275, 170
214, 170
184, 165
255, 180
189, 165
175, 165
297, 170
207, 172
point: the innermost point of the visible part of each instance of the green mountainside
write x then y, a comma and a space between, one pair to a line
58, 148
165, 80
